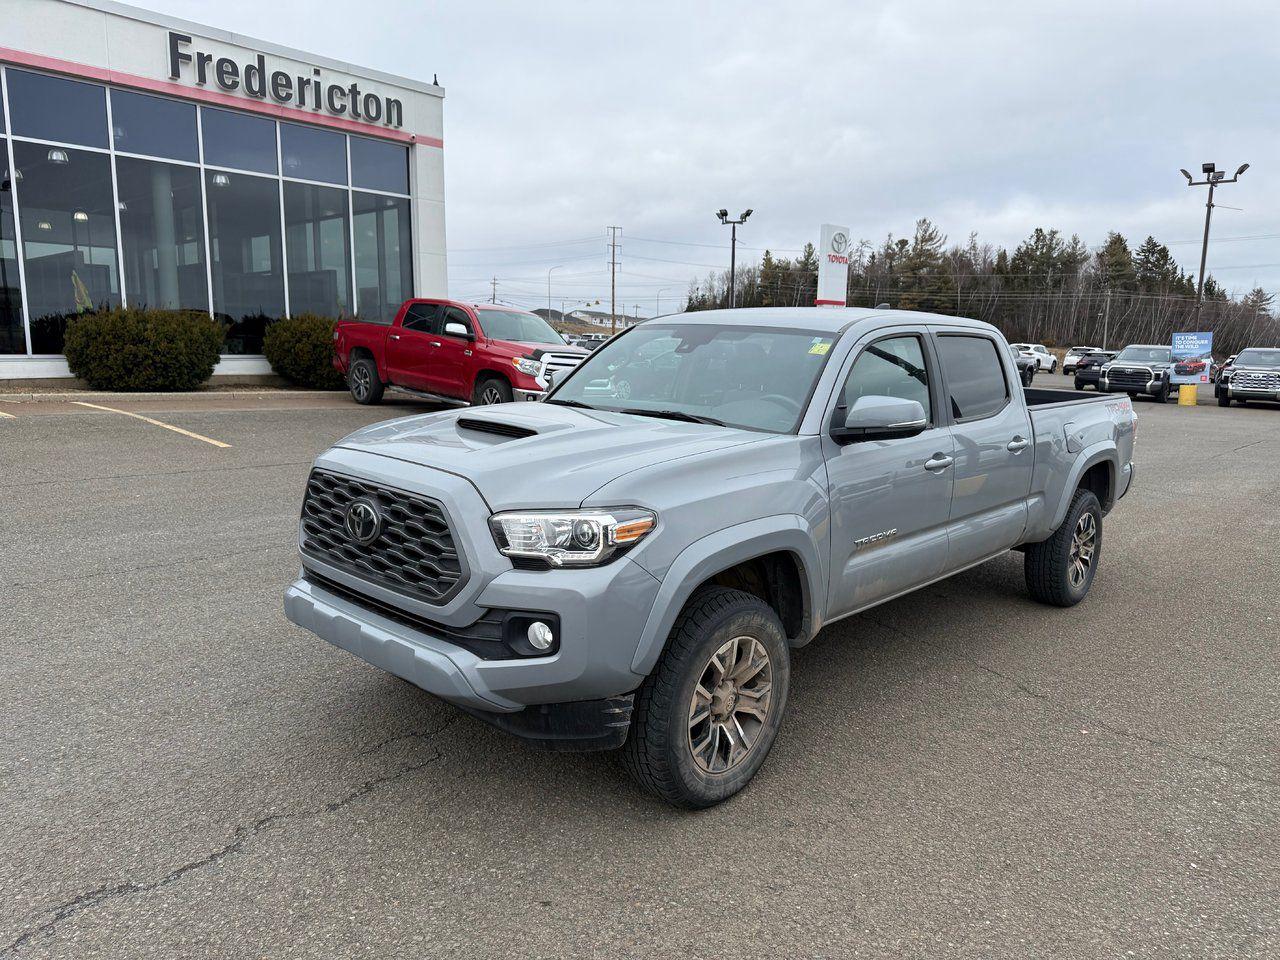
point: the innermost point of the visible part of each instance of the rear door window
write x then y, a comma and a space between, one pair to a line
423, 318
971, 367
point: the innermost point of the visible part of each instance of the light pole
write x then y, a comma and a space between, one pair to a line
556, 267
723, 214
1213, 177
657, 301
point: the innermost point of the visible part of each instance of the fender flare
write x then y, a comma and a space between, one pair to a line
723, 549
1104, 451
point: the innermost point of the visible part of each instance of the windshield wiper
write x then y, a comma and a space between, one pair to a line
674, 415
571, 403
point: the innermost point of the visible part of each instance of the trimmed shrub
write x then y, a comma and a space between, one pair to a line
300, 349
141, 349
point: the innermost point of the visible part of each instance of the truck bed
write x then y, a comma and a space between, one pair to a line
1038, 397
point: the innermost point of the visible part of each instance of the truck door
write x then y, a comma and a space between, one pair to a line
890, 499
993, 447
451, 355
410, 353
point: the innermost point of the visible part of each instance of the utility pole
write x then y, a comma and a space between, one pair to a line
723, 214
1213, 177
613, 279
1106, 318
493, 297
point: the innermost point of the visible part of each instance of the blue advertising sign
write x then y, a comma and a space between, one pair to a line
1192, 357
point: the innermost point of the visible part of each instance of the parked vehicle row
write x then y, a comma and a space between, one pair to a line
1040, 353
633, 569
1087, 367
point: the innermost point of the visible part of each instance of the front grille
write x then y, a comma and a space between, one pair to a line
414, 553
556, 362
1123, 377
1256, 380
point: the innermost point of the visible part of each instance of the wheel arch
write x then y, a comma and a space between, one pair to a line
774, 558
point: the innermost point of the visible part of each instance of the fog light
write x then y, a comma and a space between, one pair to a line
540, 635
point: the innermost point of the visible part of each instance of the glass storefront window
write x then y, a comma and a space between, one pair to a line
13, 338
318, 240
384, 255
248, 274
378, 165
162, 234
309, 153
68, 237
238, 140
154, 126
52, 108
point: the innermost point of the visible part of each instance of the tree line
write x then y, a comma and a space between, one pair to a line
1049, 289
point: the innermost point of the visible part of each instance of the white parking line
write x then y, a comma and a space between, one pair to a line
7, 416
156, 423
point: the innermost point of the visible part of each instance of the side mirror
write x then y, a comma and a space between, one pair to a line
455, 329
880, 418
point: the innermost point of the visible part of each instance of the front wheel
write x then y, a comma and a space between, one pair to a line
1060, 570
1224, 400
706, 717
492, 390
1162, 394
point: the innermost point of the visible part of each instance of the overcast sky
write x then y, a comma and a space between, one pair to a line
561, 118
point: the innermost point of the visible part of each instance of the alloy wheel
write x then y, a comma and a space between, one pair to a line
1084, 543
491, 394
730, 704
360, 381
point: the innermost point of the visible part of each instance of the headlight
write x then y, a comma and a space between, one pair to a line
526, 366
571, 538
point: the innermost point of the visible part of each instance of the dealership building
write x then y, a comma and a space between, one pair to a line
147, 161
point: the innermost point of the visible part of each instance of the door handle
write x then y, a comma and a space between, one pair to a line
938, 462
394, 336
1018, 444
435, 343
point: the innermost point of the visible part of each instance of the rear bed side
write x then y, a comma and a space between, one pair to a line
1078, 440
363, 337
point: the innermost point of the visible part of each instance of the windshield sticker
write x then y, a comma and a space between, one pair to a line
819, 346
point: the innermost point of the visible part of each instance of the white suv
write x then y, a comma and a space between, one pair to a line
1040, 353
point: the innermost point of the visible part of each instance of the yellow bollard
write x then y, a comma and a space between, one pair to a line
1187, 394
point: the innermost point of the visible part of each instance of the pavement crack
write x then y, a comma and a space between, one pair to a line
1092, 720
242, 836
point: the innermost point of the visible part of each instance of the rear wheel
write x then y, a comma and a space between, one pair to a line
1079, 385
1060, 570
492, 390
706, 717
363, 381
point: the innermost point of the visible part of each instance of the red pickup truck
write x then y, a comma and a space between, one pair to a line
452, 351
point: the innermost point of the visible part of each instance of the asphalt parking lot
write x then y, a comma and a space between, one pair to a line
962, 773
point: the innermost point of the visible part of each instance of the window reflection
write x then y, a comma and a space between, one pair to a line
384, 259
378, 165
319, 243
239, 141
12, 337
52, 108
244, 234
309, 153
162, 233
68, 237
154, 126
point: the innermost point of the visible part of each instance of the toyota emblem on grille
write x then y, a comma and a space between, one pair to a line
363, 521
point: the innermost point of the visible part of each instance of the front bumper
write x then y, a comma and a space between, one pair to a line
532, 395
1151, 387
602, 613
1247, 393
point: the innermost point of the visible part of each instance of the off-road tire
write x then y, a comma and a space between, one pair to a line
1162, 395
1048, 564
491, 390
364, 383
657, 753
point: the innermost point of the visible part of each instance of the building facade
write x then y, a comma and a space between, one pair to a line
147, 161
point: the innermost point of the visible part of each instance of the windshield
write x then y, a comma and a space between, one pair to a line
513, 325
759, 378
1254, 357
1144, 354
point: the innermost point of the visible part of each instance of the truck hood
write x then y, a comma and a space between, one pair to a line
522, 456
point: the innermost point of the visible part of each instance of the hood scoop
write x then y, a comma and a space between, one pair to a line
497, 427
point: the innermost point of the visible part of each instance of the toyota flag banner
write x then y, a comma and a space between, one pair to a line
833, 266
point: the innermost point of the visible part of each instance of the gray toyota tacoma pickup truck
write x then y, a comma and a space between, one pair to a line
630, 562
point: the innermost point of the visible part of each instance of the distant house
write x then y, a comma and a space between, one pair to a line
602, 318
